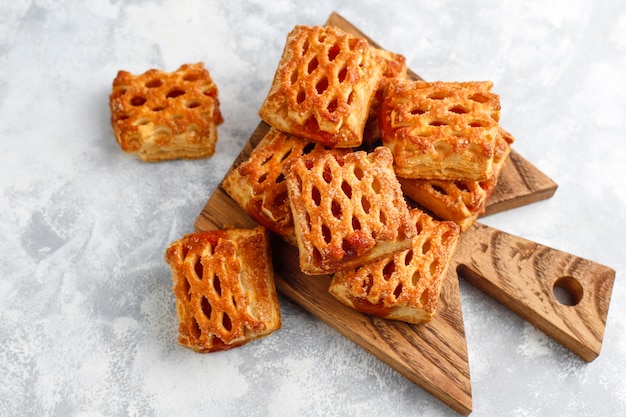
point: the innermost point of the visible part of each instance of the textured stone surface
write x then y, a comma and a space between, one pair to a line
87, 319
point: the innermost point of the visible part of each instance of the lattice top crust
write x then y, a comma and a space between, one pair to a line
258, 184
323, 86
347, 209
406, 285
159, 115
223, 282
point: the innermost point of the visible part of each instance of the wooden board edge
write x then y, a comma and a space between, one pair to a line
519, 174
522, 275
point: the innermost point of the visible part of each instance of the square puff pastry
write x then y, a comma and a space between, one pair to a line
258, 184
460, 201
160, 116
323, 86
406, 285
223, 282
347, 210
441, 130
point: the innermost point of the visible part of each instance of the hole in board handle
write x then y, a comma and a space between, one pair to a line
568, 291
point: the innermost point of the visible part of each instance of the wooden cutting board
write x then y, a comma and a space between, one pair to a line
519, 273
433, 356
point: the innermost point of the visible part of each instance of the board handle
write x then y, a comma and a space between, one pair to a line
565, 296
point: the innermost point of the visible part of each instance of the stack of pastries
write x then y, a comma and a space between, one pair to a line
350, 137
372, 175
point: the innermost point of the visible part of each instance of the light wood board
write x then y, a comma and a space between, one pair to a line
522, 275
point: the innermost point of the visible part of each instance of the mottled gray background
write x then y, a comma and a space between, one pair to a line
87, 320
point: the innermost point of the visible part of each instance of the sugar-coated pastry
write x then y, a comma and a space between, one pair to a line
347, 210
441, 130
460, 201
258, 184
323, 86
223, 283
160, 116
406, 285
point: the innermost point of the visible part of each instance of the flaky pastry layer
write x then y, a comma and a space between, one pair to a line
460, 201
394, 68
159, 115
441, 130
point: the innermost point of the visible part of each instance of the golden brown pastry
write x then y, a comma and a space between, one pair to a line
460, 201
405, 285
347, 210
258, 184
394, 67
441, 130
224, 288
323, 86
394, 63
159, 116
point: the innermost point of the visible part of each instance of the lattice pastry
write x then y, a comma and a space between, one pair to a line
441, 130
323, 86
347, 210
258, 184
159, 116
405, 285
224, 288
460, 201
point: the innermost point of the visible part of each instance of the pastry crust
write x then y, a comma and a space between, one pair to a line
405, 285
223, 282
160, 116
394, 68
258, 184
347, 210
394, 64
460, 201
323, 86
441, 130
